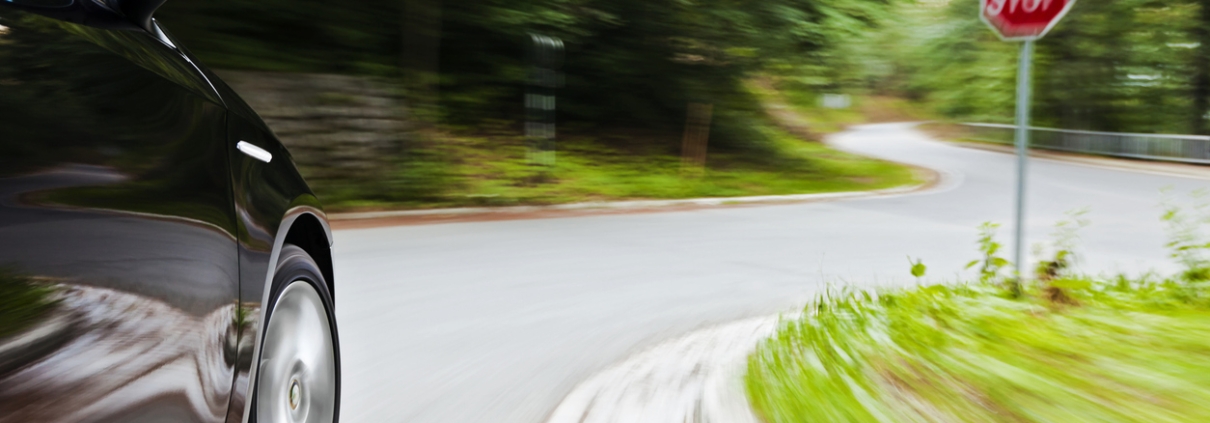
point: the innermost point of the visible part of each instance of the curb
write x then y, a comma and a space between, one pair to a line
697, 377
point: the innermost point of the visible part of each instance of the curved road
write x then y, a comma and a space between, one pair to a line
497, 321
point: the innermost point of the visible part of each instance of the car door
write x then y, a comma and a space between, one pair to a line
268, 192
119, 272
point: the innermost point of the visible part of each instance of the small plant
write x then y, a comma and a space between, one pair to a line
1187, 241
918, 268
991, 263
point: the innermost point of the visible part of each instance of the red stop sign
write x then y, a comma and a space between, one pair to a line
1023, 19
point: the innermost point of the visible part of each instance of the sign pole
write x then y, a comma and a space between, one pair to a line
1022, 142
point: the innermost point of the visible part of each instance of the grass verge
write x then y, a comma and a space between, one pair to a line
1102, 351
591, 170
797, 108
491, 170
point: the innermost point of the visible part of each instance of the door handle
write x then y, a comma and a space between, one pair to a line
254, 151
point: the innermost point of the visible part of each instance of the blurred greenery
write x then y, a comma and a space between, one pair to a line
629, 63
22, 301
1065, 347
1109, 351
1131, 66
633, 66
491, 170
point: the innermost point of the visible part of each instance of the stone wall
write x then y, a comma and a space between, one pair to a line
336, 126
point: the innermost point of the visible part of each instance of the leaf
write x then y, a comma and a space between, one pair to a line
918, 267
972, 264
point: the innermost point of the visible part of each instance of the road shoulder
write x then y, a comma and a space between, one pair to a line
362, 220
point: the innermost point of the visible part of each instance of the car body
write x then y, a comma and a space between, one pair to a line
143, 209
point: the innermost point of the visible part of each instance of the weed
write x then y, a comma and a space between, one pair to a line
1187, 241
918, 268
991, 263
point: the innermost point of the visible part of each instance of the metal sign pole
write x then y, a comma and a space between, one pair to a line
1022, 141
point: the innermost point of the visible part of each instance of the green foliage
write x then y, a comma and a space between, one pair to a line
1071, 348
1132, 65
918, 267
492, 171
1132, 350
628, 63
991, 263
421, 176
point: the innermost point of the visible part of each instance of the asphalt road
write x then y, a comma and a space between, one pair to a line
497, 321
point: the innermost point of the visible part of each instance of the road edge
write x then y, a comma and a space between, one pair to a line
1151, 167
359, 220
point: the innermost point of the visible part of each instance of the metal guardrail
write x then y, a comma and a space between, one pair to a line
1173, 148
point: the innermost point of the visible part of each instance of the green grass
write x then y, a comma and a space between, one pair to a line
1108, 351
493, 171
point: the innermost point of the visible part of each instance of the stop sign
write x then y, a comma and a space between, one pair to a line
1023, 19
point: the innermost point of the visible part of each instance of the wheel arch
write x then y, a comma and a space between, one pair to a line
309, 231
305, 225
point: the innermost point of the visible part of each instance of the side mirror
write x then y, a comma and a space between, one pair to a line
111, 14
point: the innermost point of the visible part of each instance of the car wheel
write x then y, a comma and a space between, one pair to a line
298, 379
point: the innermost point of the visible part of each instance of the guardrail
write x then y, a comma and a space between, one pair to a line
1173, 148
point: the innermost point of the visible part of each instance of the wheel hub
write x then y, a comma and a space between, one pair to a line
297, 373
295, 395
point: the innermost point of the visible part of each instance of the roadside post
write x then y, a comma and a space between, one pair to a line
1027, 21
545, 59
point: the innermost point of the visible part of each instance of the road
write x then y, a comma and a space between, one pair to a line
497, 321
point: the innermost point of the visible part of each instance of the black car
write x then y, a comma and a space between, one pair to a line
161, 259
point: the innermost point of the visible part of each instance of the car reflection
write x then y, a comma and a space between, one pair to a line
86, 346
97, 326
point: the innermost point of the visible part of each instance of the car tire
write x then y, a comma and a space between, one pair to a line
298, 377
